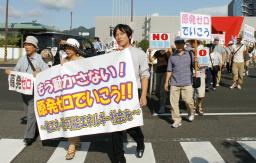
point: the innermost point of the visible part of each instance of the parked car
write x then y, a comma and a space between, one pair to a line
49, 44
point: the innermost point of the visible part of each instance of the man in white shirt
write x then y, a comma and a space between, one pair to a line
238, 52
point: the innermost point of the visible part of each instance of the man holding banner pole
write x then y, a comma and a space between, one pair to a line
31, 63
123, 36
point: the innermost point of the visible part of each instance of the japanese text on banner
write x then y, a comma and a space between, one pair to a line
195, 26
85, 100
21, 82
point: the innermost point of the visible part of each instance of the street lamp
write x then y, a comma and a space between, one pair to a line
131, 10
6, 31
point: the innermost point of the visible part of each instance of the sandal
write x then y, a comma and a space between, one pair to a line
71, 152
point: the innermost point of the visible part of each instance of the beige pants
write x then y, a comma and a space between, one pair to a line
219, 76
238, 70
186, 93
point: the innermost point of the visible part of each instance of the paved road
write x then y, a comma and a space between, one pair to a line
225, 138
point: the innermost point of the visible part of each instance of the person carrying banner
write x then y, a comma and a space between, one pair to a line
123, 36
71, 48
31, 63
199, 93
238, 52
180, 74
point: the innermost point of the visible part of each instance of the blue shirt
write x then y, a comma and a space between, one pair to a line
37, 61
180, 66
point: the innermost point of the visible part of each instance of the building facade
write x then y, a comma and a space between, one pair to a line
143, 25
242, 8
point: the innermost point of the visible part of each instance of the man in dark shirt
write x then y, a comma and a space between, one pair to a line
162, 61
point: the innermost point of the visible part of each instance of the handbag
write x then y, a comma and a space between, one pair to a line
196, 81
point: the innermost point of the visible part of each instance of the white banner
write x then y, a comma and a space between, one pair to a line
160, 41
88, 96
203, 57
195, 26
249, 33
21, 82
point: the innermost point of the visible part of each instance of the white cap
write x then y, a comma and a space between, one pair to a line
73, 43
31, 40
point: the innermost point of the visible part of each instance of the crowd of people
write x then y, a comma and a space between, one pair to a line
173, 70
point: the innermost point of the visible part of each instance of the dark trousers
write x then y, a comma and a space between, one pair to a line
117, 141
214, 72
31, 126
208, 78
228, 66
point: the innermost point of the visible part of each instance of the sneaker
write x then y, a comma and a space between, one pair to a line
217, 85
200, 111
233, 86
239, 87
213, 88
176, 125
191, 117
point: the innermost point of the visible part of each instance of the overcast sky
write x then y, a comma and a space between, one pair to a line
57, 12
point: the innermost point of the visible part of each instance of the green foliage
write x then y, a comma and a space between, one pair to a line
13, 41
144, 44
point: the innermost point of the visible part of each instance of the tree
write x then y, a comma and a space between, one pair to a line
144, 44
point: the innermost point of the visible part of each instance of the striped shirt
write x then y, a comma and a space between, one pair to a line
24, 66
180, 66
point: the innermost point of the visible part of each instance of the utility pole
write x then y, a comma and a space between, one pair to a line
71, 20
131, 10
6, 31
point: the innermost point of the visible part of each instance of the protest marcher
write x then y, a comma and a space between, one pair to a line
253, 55
180, 74
228, 56
123, 35
162, 57
215, 67
31, 63
220, 49
71, 47
238, 52
247, 59
199, 93
152, 67
98, 46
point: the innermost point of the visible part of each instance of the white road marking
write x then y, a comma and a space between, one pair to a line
130, 153
60, 153
201, 152
10, 148
210, 114
249, 146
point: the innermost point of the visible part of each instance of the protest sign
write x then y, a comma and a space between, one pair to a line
21, 82
221, 38
88, 96
160, 40
195, 26
249, 33
203, 56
